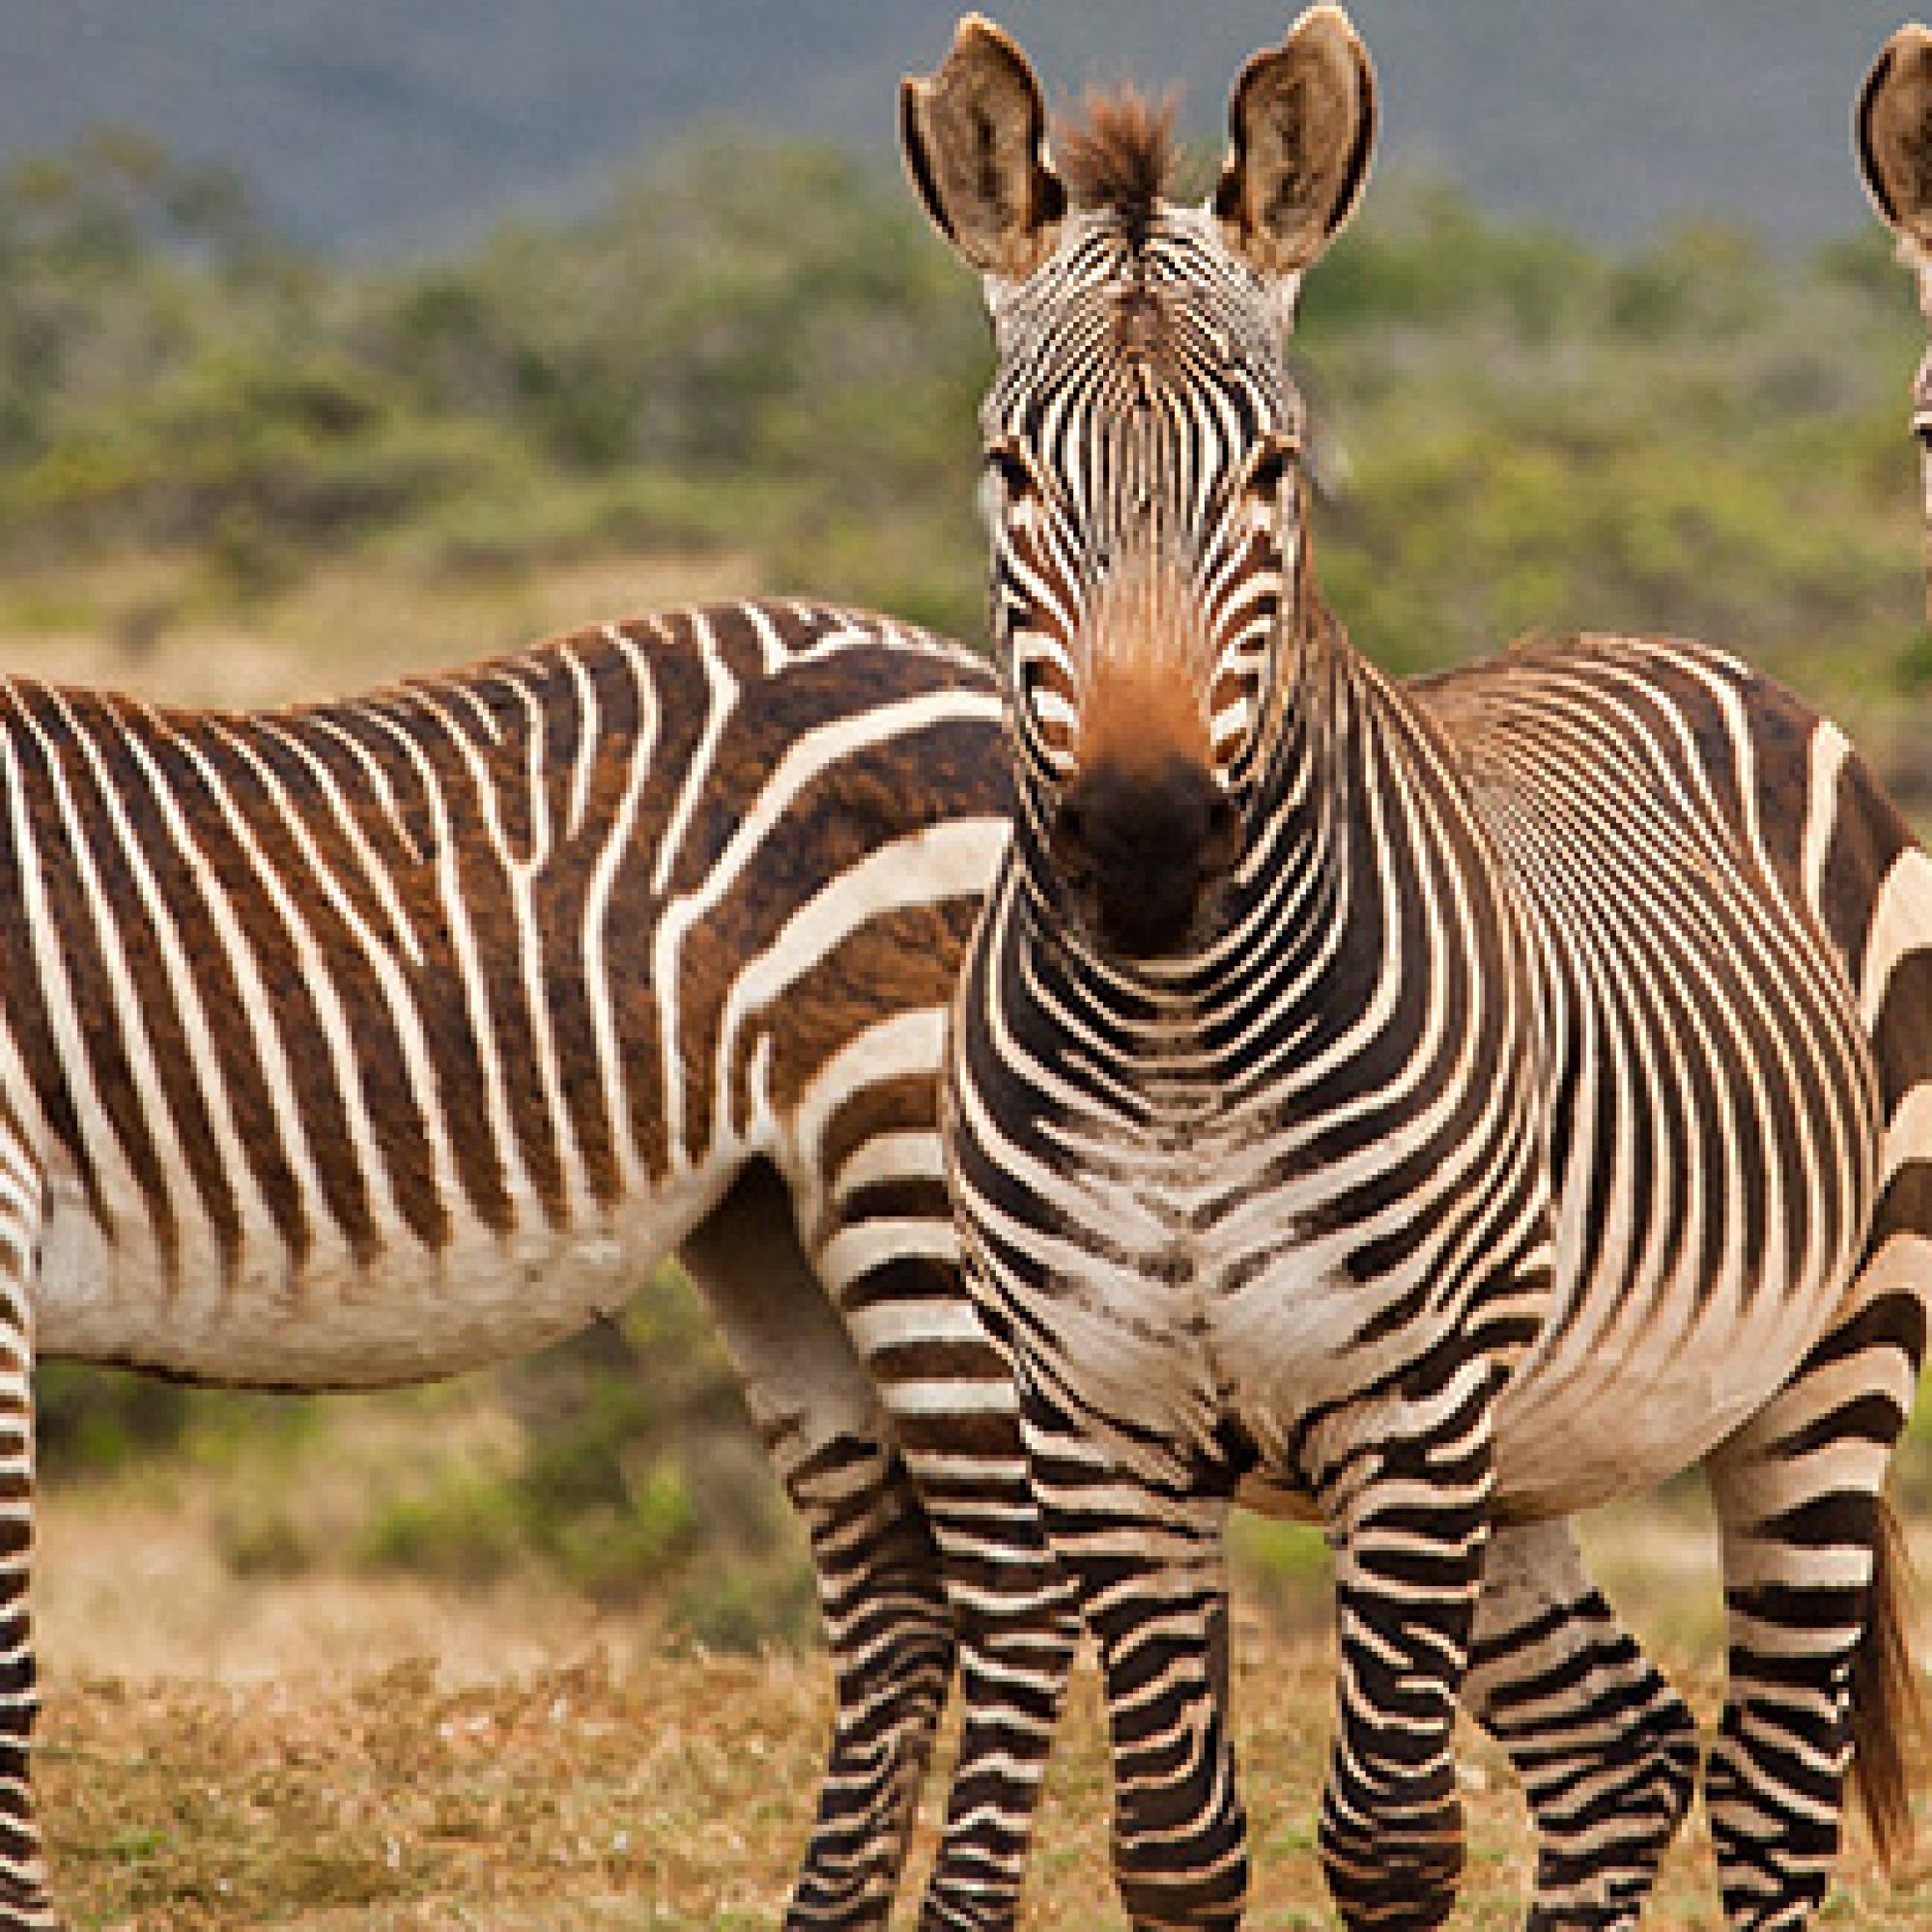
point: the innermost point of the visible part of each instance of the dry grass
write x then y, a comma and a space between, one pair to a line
140, 625
260, 1750
668, 1791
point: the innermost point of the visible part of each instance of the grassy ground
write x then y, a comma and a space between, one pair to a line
141, 625
225, 1750
232, 1742
671, 1791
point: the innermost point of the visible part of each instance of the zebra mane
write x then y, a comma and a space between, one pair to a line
1117, 153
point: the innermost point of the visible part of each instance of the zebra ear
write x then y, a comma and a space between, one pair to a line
973, 136
1892, 128
1301, 124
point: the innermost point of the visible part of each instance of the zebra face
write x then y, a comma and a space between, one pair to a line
1142, 438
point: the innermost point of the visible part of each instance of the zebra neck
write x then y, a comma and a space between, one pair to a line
1314, 903
1310, 781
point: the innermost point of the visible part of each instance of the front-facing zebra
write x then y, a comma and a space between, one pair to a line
372, 1040
1454, 1103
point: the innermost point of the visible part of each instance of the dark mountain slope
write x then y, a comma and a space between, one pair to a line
369, 124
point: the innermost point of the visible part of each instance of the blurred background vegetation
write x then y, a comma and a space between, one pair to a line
761, 359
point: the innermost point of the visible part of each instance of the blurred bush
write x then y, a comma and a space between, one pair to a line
757, 352
629, 1471
762, 349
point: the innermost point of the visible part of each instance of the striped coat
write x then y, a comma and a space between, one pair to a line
373, 1040
1448, 1104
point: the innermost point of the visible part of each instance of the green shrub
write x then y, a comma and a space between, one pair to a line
638, 1471
93, 1422
459, 1526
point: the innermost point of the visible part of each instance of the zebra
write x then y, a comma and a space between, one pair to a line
368, 1041
1450, 1103
1891, 136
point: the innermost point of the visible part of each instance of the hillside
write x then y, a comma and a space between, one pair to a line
382, 126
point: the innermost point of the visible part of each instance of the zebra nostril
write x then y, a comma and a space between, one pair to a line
1222, 842
1141, 851
1072, 852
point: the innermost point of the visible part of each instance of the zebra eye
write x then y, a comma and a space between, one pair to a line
1269, 466
1007, 466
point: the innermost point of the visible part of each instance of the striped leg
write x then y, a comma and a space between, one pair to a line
1017, 1633
1606, 1748
889, 1627
885, 1246
1816, 1651
24, 1905
1146, 1561
891, 1639
1404, 1485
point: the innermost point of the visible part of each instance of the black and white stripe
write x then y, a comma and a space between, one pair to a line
1527, 1095
368, 1041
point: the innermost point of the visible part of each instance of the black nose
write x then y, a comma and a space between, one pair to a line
1141, 851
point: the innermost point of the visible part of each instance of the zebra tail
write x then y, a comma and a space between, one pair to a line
1888, 1713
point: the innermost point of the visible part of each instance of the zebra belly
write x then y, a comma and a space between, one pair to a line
414, 1315
1614, 1406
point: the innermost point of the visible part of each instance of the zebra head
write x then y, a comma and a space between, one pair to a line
1142, 438
1892, 130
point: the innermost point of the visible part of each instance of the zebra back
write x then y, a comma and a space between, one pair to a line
364, 1040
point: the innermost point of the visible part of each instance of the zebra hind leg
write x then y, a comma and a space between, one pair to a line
1815, 1602
888, 1625
885, 1246
892, 1638
24, 1903
1018, 1628
1606, 1748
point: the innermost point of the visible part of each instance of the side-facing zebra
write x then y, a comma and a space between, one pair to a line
1458, 1102
368, 1041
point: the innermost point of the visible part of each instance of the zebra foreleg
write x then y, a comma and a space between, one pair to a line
1606, 1748
1405, 1484
1144, 1556
24, 1904
1814, 1646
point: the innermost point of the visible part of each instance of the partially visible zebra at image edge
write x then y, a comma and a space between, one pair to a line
1457, 1103
1892, 130
369, 1042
